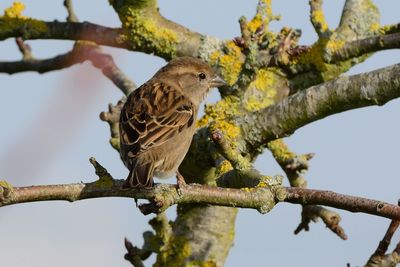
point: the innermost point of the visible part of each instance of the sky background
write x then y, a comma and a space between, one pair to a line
51, 127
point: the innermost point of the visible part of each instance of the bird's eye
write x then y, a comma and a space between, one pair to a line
202, 75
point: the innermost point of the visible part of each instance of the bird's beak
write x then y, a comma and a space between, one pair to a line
217, 82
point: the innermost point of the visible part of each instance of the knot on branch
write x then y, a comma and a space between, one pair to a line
6, 190
164, 196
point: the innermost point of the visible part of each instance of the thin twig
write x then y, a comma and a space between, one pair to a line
24, 48
295, 167
378, 257
318, 18
71, 13
80, 53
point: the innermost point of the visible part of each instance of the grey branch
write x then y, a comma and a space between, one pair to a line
364, 46
320, 101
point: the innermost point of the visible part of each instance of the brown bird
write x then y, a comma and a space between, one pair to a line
157, 121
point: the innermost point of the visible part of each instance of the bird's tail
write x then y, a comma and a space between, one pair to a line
140, 176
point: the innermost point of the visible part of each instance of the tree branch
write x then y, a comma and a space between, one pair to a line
363, 46
261, 198
24, 48
318, 18
336, 200
80, 53
295, 166
31, 29
320, 101
378, 258
158, 36
71, 13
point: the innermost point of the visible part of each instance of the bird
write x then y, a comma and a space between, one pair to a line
158, 120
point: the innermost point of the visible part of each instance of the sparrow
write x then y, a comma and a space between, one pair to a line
157, 122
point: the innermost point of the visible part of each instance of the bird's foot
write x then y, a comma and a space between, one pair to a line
180, 180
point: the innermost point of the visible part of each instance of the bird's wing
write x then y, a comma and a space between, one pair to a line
153, 114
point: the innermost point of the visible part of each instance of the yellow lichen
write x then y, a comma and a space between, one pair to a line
13, 20
262, 184
261, 91
228, 129
220, 117
280, 151
255, 23
15, 11
174, 252
319, 18
6, 184
229, 62
224, 167
334, 45
104, 182
377, 29
146, 31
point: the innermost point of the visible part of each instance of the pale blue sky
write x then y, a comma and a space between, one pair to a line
50, 128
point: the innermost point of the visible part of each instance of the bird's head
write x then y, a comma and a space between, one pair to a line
192, 75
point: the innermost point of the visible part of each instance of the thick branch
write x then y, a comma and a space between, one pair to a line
363, 46
80, 53
320, 101
261, 198
178, 41
36, 29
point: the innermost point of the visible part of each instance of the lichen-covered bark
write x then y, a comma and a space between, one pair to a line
149, 32
235, 115
344, 93
261, 70
201, 236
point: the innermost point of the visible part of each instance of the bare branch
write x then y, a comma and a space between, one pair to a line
71, 13
262, 199
80, 53
24, 48
336, 200
363, 46
317, 102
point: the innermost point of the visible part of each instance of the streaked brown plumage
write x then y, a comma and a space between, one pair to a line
157, 122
